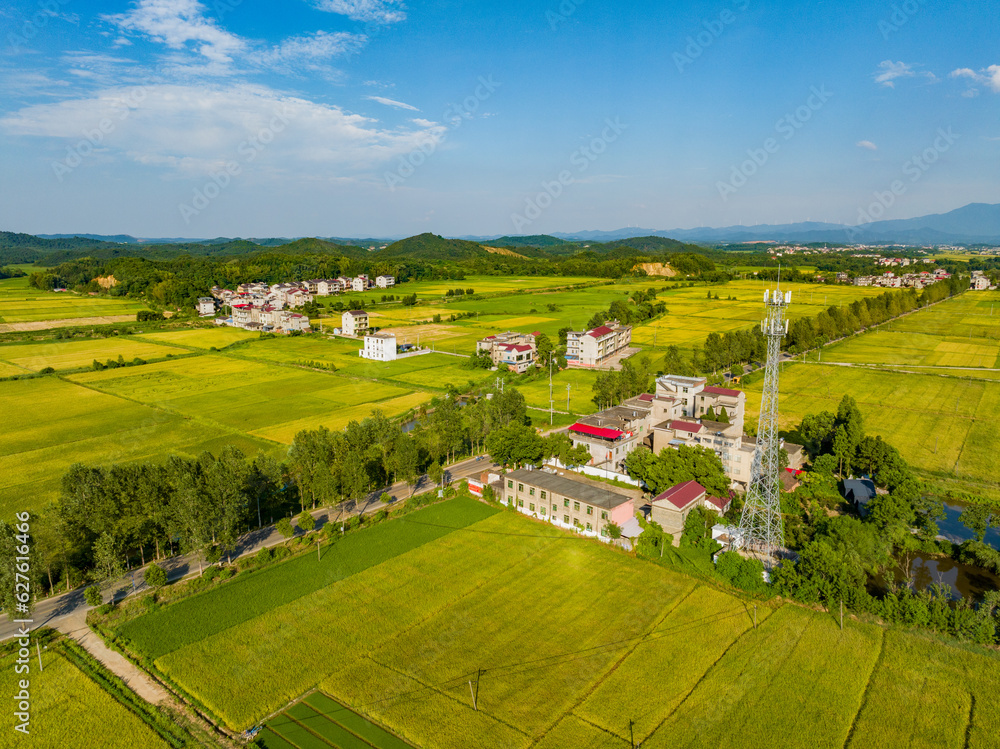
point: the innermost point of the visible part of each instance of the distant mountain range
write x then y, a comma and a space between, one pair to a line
976, 223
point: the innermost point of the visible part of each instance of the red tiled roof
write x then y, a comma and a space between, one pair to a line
721, 391
648, 397
719, 502
599, 331
609, 434
683, 494
685, 426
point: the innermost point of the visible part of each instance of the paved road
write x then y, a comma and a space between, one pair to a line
66, 611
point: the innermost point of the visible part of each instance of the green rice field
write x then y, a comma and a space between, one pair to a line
566, 642
19, 303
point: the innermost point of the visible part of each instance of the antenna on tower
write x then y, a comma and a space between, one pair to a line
761, 532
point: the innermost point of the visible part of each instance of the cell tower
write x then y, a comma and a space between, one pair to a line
761, 532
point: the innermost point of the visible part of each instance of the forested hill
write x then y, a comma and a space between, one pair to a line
432, 247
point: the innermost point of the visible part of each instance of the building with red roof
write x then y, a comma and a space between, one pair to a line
671, 507
593, 348
516, 350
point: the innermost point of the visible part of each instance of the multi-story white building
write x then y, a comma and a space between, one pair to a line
354, 322
592, 348
379, 347
206, 306
516, 350
360, 283
385, 282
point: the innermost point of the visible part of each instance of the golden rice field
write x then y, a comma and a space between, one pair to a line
942, 425
20, 303
963, 331
72, 354
571, 642
67, 706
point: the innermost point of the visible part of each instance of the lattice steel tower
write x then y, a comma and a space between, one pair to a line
761, 531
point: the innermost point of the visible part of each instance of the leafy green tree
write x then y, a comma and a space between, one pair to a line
107, 557
613, 530
544, 348
155, 576
675, 466
284, 527
14, 544
979, 517
515, 444
305, 521
92, 595
698, 528
435, 473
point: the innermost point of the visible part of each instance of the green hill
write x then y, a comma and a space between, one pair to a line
432, 247
652, 245
534, 240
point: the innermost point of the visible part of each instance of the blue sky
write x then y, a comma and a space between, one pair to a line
381, 118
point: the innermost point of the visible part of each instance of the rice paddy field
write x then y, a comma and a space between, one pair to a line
944, 426
962, 332
74, 354
66, 705
434, 290
567, 642
19, 303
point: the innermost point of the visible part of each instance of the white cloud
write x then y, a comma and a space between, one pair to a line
889, 71
867, 144
393, 103
177, 22
310, 50
989, 76
191, 130
370, 11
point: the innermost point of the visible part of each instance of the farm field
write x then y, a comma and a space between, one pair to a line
20, 303
958, 332
692, 316
244, 395
623, 640
941, 425
200, 338
73, 354
72, 424
66, 705
581, 393
429, 290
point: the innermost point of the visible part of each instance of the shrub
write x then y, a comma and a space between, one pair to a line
381, 515
92, 596
155, 576
47, 370
284, 527
265, 555
213, 555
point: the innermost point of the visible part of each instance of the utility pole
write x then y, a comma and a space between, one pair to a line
631, 737
318, 557
567, 397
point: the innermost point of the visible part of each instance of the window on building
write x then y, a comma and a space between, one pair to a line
543, 494
520, 487
542, 510
565, 502
520, 503
576, 506
531, 491
576, 523
604, 516
510, 484
553, 508
566, 519
531, 507
589, 529
590, 510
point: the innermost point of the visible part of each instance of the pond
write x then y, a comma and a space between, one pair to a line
952, 528
965, 580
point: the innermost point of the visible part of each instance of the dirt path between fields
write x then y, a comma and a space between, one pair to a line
20, 327
75, 626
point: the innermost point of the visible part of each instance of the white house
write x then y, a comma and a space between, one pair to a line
206, 306
354, 322
379, 347
360, 283
384, 282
